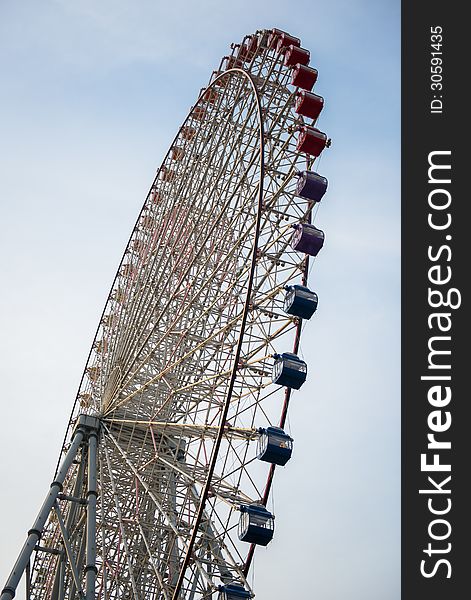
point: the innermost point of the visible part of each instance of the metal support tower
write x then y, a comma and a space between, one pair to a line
85, 435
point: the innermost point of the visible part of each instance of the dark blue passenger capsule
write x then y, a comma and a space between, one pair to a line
233, 591
289, 370
274, 446
311, 186
256, 524
300, 301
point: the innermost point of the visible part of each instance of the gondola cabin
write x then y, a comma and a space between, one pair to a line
303, 76
128, 270
307, 239
155, 197
119, 295
222, 81
93, 373
295, 55
232, 62
210, 95
286, 40
101, 346
274, 446
274, 36
311, 141
308, 105
311, 186
188, 133
148, 221
177, 153
110, 320
233, 591
198, 113
248, 49
300, 301
289, 370
256, 525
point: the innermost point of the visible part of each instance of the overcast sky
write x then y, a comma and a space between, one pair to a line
91, 95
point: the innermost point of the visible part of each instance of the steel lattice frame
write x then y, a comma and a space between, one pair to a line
179, 372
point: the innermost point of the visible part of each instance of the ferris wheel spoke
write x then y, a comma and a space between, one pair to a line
171, 522
207, 284
122, 528
166, 590
189, 429
198, 347
228, 566
154, 326
192, 475
235, 142
229, 199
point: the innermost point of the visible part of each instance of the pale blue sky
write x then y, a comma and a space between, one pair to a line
91, 96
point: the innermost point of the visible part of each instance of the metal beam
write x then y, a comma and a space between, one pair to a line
68, 550
90, 566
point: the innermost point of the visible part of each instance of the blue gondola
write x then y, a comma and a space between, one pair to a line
300, 301
274, 446
256, 524
289, 370
311, 186
233, 591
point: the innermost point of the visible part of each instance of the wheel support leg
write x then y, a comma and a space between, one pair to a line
35, 532
90, 566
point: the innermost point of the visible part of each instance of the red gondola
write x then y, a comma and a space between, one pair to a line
311, 141
295, 55
304, 77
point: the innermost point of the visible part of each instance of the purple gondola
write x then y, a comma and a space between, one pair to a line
307, 239
311, 186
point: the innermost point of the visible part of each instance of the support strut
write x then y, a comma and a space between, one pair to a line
90, 566
87, 427
35, 532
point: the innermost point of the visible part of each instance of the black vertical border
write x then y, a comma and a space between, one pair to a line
422, 133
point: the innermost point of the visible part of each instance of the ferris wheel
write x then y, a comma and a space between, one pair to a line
162, 488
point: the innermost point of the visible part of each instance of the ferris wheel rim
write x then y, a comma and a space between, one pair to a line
216, 449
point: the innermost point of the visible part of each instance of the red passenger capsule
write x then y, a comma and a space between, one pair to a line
233, 62
167, 175
311, 141
138, 245
155, 196
198, 113
286, 40
248, 49
308, 105
222, 81
188, 133
275, 35
210, 95
177, 153
295, 55
110, 320
304, 77
147, 221
252, 43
